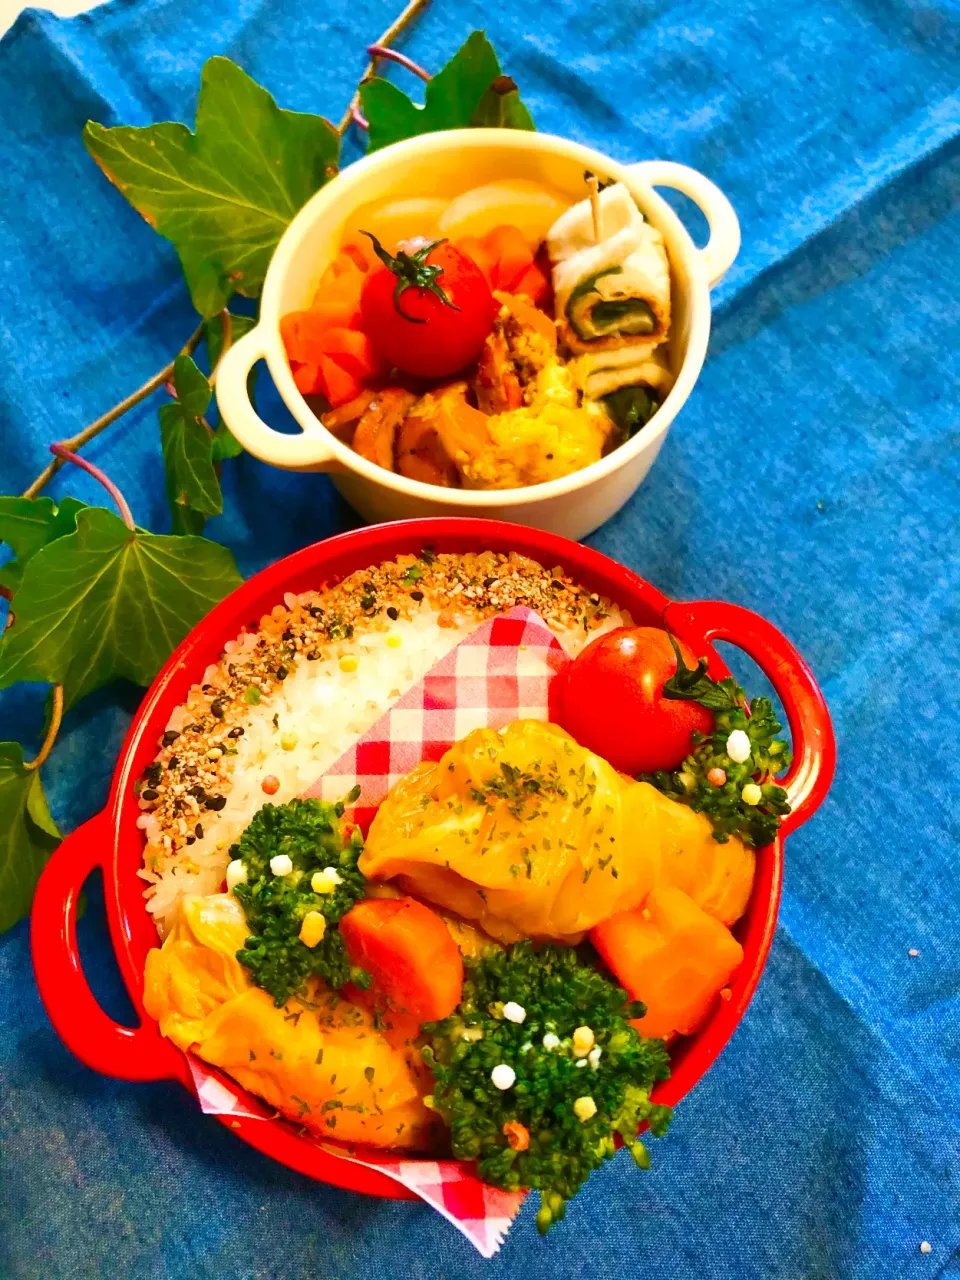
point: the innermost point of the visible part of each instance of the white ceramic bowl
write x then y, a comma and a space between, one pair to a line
445, 164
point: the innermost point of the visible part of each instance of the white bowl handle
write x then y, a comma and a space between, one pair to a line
309, 451
724, 243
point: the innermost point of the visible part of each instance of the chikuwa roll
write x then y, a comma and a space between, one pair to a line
612, 290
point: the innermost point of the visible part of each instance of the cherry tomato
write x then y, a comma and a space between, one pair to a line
428, 310
611, 700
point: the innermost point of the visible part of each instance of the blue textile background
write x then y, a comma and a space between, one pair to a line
813, 477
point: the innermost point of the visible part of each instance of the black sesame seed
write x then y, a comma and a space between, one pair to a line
191, 840
416, 595
312, 656
236, 732
215, 803
489, 582
393, 614
282, 673
198, 830
195, 728
287, 635
173, 762
208, 688
169, 737
197, 791
190, 770
315, 611
149, 794
216, 708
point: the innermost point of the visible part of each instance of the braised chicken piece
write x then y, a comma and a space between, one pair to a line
420, 454
523, 341
343, 420
377, 427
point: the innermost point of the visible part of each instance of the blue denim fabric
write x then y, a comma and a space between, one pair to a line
813, 477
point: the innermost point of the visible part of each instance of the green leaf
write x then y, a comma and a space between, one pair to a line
501, 108
456, 98
188, 450
192, 386
223, 195
225, 443
107, 603
28, 834
26, 525
66, 518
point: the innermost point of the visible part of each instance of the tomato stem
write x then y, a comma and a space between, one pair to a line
413, 272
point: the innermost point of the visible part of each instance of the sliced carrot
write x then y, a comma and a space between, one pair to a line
308, 379
337, 299
339, 384
360, 253
508, 246
353, 350
533, 284
289, 332
671, 955
512, 392
478, 250
407, 949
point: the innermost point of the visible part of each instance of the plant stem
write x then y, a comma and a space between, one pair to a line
63, 452
226, 323
76, 442
381, 51
53, 728
388, 37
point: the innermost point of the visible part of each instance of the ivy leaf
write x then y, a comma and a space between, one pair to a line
107, 603
27, 834
225, 443
66, 517
456, 98
192, 483
501, 108
26, 525
223, 195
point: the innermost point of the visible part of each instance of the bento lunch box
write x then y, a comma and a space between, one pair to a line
112, 841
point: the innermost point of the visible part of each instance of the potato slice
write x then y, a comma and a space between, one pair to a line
515, 202
395, 221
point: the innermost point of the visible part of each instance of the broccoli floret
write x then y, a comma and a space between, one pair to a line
309, 833
532, 1134
755, 824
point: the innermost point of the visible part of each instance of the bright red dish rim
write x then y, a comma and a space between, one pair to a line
111, 840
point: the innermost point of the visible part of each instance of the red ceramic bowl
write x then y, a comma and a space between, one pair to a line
111, 840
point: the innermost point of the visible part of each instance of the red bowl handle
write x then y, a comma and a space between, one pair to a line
129, 1053
814, 747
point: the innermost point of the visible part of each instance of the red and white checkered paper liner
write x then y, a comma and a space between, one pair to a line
499, 673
